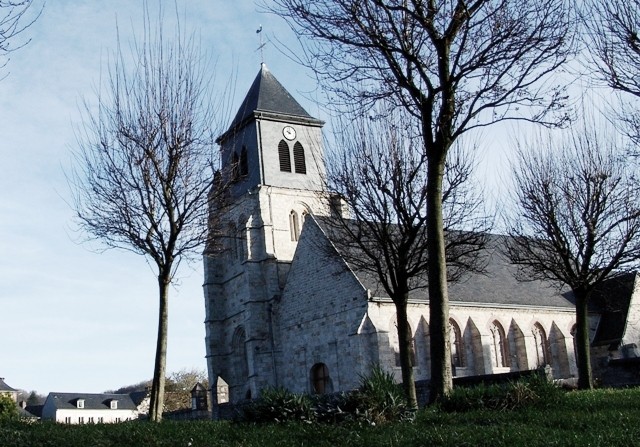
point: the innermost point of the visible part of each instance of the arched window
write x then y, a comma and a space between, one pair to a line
235, 172
244, 164
233, 245
542, 344
298, 158
320, 380
241, 362
574, 334
284, 156
294, 226
394, 342
501, 357
241, 242
457, 344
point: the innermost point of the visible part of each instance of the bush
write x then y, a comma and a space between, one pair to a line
378, 400
8, 408
279, 405
534, 390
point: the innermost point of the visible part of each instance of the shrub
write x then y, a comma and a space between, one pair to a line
534, 390
279, 405
379, 399
8, 408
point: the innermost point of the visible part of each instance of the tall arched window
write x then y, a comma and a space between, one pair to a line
574, 333
320, 380
244, 164
542, 344
239, 344
501, 357
457, 344
241, 243
298, 158
233, 245
294, 226
284, 156
394, 341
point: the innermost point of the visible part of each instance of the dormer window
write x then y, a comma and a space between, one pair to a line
80, 403
113, 404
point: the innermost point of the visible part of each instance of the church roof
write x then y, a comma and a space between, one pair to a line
497, 286
268, 95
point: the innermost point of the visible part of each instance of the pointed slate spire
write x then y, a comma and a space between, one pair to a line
268, 95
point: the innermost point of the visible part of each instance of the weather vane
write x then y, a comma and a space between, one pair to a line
262, 44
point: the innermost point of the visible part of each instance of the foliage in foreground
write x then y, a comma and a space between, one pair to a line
378, 400
596, 418
534, 390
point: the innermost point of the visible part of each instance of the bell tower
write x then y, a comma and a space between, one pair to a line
272, 160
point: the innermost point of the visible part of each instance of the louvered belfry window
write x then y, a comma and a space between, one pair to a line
285, 157
298, 158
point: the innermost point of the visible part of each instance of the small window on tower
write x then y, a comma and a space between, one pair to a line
298, 158
244, 164
284, 156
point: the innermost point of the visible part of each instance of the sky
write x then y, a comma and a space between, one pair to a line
72, 318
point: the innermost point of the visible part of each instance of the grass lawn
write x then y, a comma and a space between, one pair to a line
595, 418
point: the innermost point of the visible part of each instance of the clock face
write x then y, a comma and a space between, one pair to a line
289, 132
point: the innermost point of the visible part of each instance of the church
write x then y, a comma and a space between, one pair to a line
284, 308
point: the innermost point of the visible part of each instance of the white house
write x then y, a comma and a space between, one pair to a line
78, 408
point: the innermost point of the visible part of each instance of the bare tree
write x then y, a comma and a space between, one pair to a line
612, 30
381, 178
455, 65
577, 219
13, 21
144, 172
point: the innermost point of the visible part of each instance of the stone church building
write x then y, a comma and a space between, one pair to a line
284, 309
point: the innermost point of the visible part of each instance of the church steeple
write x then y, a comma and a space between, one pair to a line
272, 140
268, 95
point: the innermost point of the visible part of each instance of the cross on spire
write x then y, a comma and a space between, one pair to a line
262, 44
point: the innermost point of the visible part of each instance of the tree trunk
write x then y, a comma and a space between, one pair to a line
441, 380
159, 370
583, 346
406, 348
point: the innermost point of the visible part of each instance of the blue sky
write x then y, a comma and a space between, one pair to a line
72, 319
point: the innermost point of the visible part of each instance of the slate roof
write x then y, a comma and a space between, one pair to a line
266, 94
497, 286
5, 387
69, 401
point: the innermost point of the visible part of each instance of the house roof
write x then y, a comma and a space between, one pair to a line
266, 94
497, 286
69, 401
4, 387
